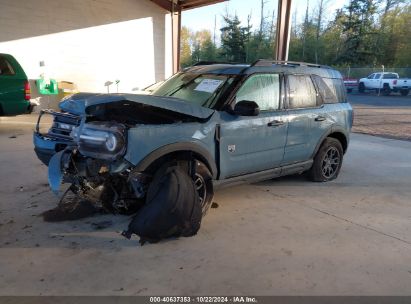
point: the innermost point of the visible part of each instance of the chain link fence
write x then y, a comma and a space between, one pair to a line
364, 72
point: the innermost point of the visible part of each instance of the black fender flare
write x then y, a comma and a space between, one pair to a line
333, 129
179, 147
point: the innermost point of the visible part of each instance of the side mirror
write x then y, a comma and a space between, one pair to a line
246, 108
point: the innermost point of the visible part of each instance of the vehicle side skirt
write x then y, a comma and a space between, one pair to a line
264, 175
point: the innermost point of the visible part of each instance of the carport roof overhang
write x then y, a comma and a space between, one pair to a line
182, 5
175, 7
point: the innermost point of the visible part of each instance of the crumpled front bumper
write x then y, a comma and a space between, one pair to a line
55, 140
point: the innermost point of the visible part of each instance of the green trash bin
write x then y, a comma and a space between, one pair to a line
45, 88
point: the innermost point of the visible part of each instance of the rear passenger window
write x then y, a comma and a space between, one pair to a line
302, 92
5, 67
390, 76
326, 93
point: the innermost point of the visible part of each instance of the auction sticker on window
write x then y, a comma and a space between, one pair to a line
208, 85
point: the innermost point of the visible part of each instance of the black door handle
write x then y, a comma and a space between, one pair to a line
275, 123
320, 118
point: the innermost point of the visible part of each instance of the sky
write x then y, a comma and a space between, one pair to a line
203, 17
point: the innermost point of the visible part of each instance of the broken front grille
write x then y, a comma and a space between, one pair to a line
63, 124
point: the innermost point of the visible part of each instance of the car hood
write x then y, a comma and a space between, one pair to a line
80, 103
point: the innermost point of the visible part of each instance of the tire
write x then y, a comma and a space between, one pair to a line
327, 162
201, 177
404, 92
386, 90
203, 181
361, 87
172, 207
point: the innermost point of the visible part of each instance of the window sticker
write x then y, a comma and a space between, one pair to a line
208, 85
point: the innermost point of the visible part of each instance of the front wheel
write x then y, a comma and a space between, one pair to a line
327, 162
203, 182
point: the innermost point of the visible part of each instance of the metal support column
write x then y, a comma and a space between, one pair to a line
283, 30
176, 36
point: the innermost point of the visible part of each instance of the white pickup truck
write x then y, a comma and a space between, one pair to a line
386, 82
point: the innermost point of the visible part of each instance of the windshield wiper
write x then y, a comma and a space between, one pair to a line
182, 86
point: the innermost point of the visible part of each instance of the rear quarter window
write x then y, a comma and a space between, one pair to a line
336, 85
328, 95
5, 67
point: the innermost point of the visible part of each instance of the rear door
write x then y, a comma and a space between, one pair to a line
12, 80
304, 113
254, 143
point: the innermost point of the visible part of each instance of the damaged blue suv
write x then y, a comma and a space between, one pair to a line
222, 123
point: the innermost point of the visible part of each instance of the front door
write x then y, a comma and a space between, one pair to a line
254, 143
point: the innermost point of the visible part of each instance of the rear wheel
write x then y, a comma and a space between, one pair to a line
327, 161
404, 92
361, 87
386, 90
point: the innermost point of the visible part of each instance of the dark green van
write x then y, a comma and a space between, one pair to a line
14, 87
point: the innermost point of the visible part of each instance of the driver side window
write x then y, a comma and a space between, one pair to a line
264, 89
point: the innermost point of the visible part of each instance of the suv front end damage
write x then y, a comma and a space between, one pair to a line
88, 156
89, 148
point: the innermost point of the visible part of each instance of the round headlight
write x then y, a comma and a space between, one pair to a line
111, 142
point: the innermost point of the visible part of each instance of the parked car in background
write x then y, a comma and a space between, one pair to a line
350, 84
386, 82
220, 123
14, 87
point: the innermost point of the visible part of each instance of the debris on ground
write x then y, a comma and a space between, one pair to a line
214, 205
13, 136
70, 211
102, 225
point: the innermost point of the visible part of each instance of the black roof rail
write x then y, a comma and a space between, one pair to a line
268, 62
214, 62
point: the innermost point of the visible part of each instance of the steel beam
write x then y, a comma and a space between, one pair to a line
283, 30
176, 37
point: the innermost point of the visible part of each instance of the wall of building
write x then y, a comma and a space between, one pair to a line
89, 42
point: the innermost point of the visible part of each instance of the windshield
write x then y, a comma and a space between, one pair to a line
200, 89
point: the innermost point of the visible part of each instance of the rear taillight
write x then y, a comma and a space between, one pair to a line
27, 90
395, 81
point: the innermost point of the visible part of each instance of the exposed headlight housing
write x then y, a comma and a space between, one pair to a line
101, 140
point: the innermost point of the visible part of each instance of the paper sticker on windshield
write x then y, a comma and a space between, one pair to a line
208, 85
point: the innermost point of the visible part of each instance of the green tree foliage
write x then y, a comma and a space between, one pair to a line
233, 40
185, 47
363, 33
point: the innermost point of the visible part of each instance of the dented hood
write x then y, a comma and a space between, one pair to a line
79, 103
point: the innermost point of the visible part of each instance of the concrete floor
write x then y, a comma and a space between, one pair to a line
281, 237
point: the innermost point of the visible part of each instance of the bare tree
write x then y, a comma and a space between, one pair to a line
305, 27
321, 8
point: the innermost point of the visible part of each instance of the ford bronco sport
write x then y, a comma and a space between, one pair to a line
222, 123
